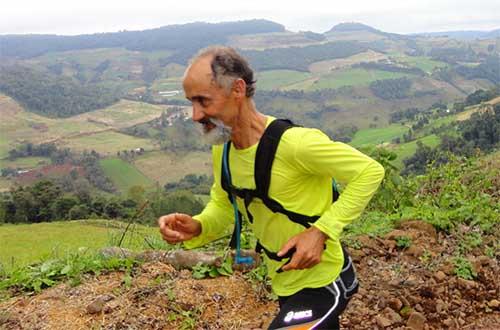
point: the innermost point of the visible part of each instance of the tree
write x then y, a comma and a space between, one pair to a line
79, 212
62, 206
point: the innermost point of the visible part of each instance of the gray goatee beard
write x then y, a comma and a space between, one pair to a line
218, 135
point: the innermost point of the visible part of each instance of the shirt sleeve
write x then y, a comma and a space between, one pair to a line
217, 217
359, 174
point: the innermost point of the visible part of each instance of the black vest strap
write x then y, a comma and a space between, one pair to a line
264, 158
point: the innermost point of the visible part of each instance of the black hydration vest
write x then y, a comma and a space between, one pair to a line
264, 157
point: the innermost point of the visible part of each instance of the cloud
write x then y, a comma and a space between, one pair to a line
91, 16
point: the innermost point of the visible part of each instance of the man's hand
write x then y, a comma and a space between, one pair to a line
309, 247
178, 227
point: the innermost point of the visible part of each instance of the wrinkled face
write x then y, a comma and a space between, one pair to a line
209, 101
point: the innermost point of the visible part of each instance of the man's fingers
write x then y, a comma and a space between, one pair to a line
293, 264
169, 234
284, 250
182, 218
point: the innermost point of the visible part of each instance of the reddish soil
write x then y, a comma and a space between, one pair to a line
48, 171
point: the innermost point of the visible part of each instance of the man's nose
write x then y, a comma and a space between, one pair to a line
197, 113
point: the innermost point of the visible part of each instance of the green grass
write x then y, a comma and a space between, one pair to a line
374, 136
24, 244
122, 114
424, 63
24, 162
346, 77
164, 167
274, 79
107, 143
174, 83
406, 150
123, 174
4, 146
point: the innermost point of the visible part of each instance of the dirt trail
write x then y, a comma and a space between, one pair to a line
412, 288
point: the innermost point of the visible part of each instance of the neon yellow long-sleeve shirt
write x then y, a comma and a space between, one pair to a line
305, 162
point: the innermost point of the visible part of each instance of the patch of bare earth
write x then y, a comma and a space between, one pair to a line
411, 288
158, 297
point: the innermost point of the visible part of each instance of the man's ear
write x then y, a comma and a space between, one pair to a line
239, 88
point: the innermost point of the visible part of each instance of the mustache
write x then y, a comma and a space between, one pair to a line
205, 121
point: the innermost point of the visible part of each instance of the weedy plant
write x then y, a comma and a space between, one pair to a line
403, 242
463, 268
51, 271
202, 271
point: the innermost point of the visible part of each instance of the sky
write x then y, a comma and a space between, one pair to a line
398, 16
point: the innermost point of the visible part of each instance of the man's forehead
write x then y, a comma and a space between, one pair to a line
199, 71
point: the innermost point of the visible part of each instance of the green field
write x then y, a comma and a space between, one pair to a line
406, 150
4, 147
345, 77
373, 136
274, 79
123, 174
122, 114
424, 63
107, 143
24, 162
166, 167
23, 244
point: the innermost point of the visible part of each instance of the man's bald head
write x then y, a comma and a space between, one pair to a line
226, 66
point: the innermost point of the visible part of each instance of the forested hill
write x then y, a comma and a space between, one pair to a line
182, 38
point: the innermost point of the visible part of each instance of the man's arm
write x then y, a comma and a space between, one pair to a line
318, 155
360, 174
216, 219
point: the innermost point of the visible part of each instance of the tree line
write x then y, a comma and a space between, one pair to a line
391, 89
47, 201
480, 133
53, 96
299, 58
184, 39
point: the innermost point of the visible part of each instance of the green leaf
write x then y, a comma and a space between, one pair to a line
45, 266
48, 282
213, 272
66, 270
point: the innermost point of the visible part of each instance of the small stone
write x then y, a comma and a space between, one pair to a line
494, 303
466, 284
449, 323
392, 316
95, 307
440, 276
440, 306
362, 292
484, 260
381, 303
416, 321
448, 268
415, 251
382, 321
98, 304
396, 304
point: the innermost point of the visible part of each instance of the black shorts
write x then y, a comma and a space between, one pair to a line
318, 308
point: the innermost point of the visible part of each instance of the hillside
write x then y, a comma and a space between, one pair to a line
428, 265
182, 38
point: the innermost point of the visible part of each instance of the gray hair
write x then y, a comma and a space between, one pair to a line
227, 66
